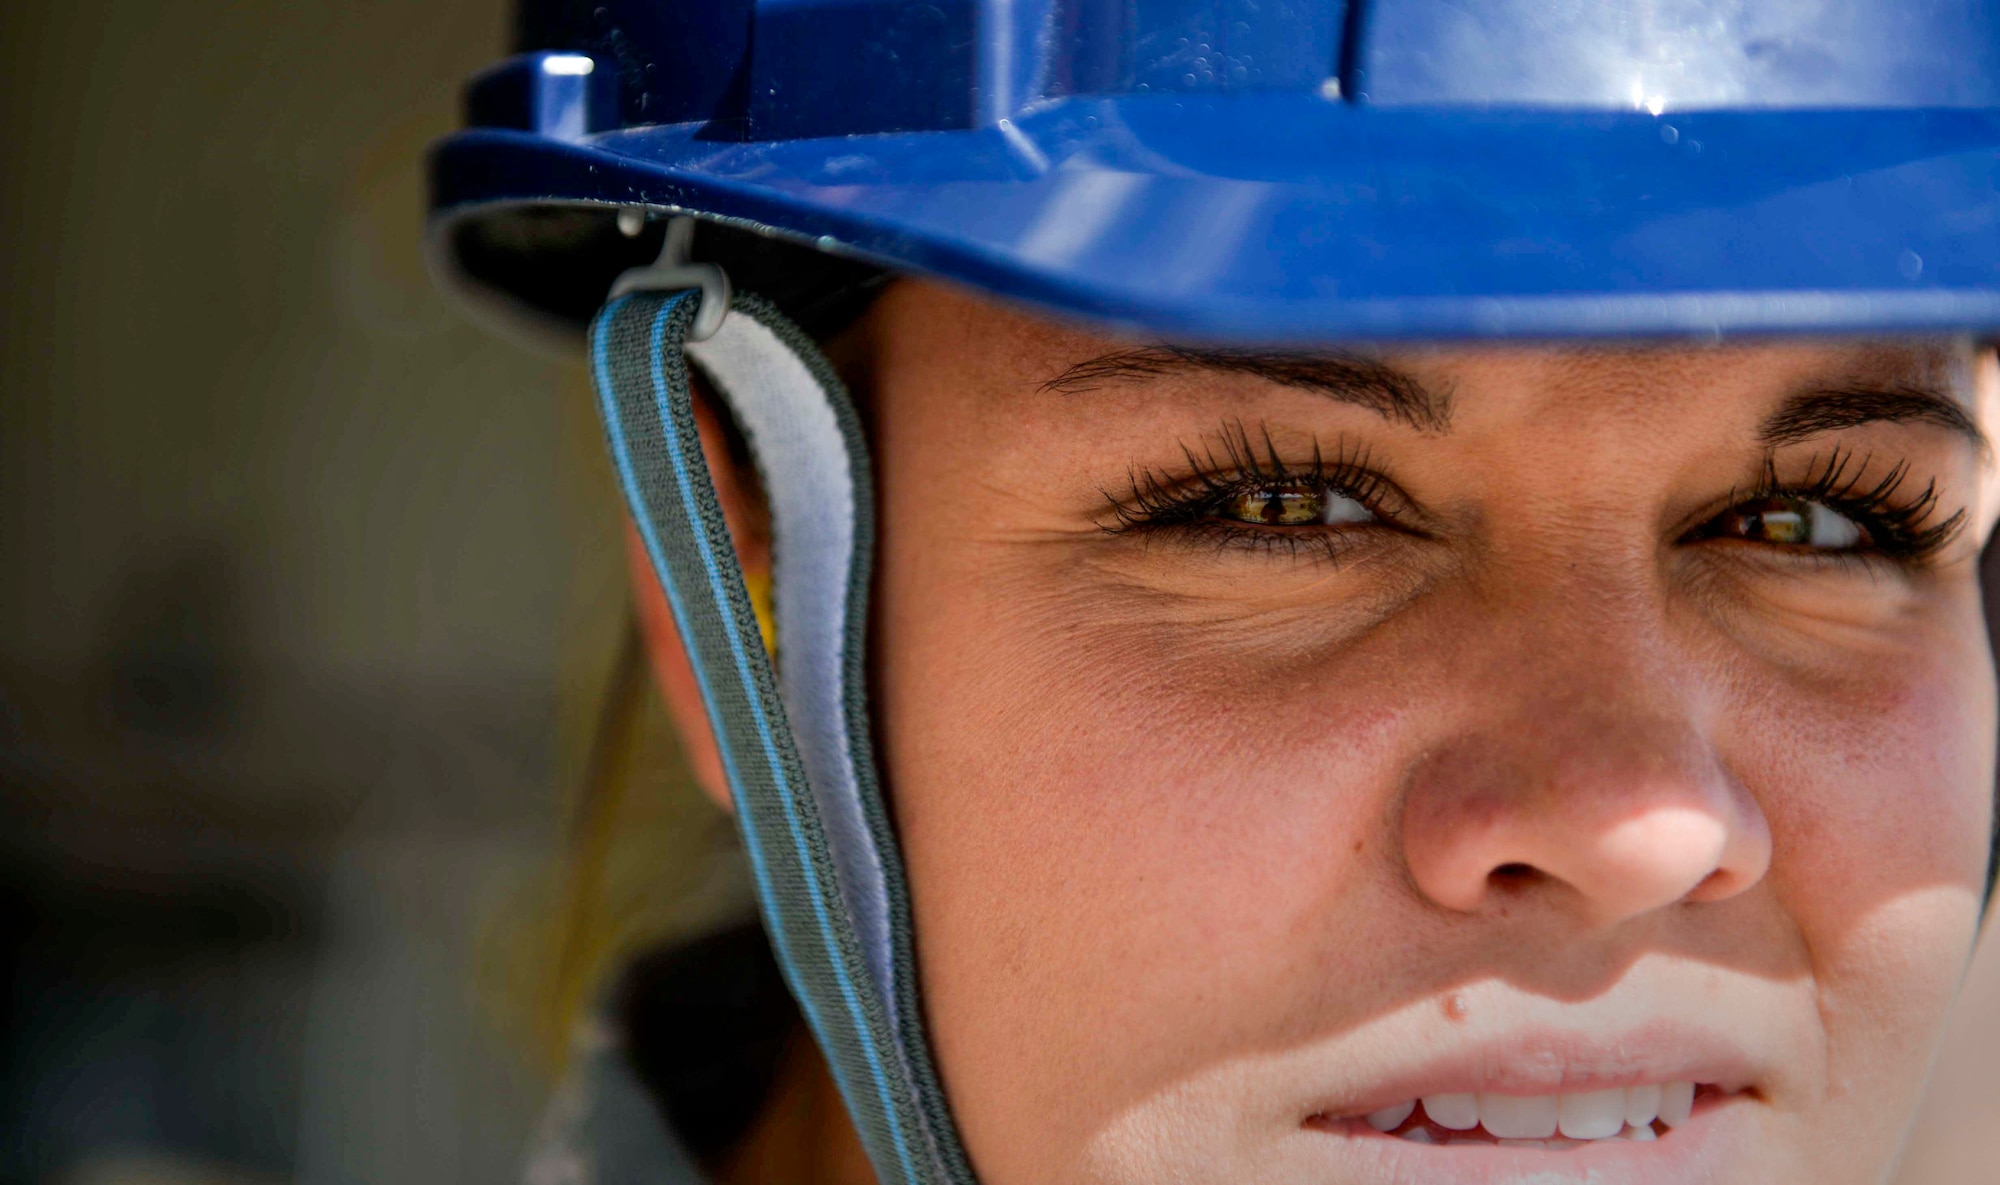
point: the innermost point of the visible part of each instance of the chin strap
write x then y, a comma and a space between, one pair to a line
794, 736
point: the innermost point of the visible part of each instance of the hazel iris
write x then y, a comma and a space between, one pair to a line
1293, 504
1790, 522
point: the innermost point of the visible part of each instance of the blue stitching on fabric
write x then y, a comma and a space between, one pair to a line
621, 453
729, 625
716, 590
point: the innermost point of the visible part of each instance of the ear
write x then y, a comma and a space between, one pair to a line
737, 489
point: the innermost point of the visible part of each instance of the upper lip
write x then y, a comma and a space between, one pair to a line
1537, 1061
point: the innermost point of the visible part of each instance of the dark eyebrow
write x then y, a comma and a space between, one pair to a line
1813, 412
1349, 378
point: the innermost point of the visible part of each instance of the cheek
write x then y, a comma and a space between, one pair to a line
1879, 789
1114, 846
1876, 785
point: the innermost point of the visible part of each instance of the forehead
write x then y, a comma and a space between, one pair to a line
1767, 390
1930, 363
965, 331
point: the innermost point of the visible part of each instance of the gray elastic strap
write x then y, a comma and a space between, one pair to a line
794, 741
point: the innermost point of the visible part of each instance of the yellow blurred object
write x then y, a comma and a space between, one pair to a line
758, 585
645, 859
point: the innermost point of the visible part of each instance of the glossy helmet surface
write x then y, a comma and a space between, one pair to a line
1278, 171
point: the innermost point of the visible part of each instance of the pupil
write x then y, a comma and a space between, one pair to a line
1779, 521
1279, 506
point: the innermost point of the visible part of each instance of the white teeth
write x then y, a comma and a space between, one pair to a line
1453, 1112
1584, 1115
1390, 1118
1594, 1115
1676, 1103
1642, 1105
1514, 1117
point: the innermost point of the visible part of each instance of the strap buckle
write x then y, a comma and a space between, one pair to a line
672, 272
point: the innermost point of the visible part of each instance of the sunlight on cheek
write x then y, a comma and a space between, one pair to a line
1183, 1133
1889, 976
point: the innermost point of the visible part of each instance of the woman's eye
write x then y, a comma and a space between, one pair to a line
1789, 522
1294, 505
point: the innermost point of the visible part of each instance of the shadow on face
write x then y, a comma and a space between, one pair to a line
1275, 738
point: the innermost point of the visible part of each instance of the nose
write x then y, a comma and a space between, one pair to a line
1620, 813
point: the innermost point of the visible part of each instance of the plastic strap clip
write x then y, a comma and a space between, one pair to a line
672, 272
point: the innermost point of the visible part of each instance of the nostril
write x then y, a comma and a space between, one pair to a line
1513, 875
1719, 885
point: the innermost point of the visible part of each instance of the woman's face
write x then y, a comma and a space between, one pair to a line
1276, 741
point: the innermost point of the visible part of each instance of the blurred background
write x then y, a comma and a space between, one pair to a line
309, 595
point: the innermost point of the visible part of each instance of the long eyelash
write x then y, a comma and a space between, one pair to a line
1895, 522
1235, 462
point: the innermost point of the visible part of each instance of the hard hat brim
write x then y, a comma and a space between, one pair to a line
1285, 219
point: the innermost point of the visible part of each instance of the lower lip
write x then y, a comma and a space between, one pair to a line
1697, 1150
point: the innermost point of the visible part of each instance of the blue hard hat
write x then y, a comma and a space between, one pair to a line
1276, 171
